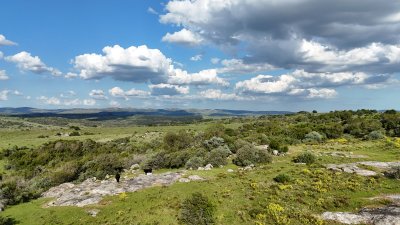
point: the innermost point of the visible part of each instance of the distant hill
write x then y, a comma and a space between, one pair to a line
109, 113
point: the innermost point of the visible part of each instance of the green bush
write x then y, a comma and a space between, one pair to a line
313, 137
74, 133
100, 166
66, 173
375, 135
214, 142
306, 157
197, 210
7, 220
195, 162
250, 155
282, 178
217, 157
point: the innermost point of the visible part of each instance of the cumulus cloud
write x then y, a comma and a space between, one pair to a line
141, 65
3, 75
49, 100
5, 42
310, 85
26, 62
184, 36
120, 93
286, 34
136, 64
168, 89
70, 75
98, 94
203, 77
237, 66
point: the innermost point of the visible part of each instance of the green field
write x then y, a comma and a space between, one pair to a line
239, 197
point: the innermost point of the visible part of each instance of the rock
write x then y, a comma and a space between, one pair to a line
107, 177
352, 168
230, 170
208, 167
148, 174
195, 178
386, 215
221, 166
184, 180
346, 218
275, 152
200, 168
92, 192
249, 167
135, 167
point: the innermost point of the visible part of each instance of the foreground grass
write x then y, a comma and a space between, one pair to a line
241, 197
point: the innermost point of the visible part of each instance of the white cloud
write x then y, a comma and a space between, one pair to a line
203, 77
115, 104
70, 75
4, 95
17, 93
89, 102
196, 58
49, 100
66, 102
1, 55
5, 42
26, 62
266, 84
216, 94
184, 36
136, 64
3, 75
310, 85
237, 66
215, 60
120, 93
98, 94
168, 89
321, 93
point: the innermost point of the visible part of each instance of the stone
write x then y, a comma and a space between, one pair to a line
135, 167
208, 167
184, 180
200, 168
230, 170
91, 192
275, 152
346, 218
195, 178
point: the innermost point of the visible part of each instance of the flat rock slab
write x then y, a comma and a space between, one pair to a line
354, 167
92, 191
388, 215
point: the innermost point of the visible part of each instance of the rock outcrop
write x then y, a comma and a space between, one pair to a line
91, 191
354, 167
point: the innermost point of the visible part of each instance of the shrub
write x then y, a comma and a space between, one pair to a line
66, 173
375, 135
197, 210
250, 155
100, 166
7, 220
217, 157
195, 162
214, 142
394, 173
177, 141
74, 133
282, 178
313, 136
306, 157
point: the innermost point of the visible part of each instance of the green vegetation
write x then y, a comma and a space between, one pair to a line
277, 191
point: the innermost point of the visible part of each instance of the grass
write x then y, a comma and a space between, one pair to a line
239, 196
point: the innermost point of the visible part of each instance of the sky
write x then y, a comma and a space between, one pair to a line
208, 54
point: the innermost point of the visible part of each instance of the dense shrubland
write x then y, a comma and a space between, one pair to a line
30, 171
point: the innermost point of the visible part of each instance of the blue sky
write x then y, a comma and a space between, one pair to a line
233, 54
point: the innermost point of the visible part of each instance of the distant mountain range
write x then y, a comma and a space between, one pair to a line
126, 112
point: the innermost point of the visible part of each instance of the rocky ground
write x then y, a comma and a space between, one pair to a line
386, 215
355, 167
91, 191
